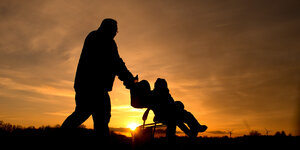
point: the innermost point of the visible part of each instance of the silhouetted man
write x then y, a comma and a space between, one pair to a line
98, 65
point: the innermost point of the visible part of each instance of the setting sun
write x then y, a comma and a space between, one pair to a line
132, 126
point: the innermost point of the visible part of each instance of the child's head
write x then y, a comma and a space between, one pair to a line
161, 84
179, 105
144, 86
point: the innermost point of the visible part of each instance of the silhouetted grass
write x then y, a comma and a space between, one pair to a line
54, 137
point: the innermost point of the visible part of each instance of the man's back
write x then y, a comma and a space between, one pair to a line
97, 65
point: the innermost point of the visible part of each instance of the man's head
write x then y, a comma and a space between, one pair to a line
109, 27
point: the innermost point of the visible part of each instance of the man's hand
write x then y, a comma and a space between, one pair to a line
129, 83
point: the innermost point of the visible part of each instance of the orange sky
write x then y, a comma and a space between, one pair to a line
234, 64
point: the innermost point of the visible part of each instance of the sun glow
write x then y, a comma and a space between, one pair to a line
132, 126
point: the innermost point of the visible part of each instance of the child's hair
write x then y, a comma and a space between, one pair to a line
179, 105
144, 86
161, 84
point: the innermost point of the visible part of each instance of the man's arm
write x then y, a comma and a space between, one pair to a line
124, 74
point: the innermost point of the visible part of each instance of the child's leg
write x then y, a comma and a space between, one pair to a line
171, 131
193, 124
184, 128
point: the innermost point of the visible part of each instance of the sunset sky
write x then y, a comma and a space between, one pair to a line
235, 64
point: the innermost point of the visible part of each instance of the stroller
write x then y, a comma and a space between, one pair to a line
140, 98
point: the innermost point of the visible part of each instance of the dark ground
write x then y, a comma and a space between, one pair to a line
125, 143
12, 137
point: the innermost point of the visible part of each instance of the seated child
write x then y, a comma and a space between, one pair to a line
188, 118
172, 112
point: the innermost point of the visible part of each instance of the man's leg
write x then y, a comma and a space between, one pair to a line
82, 112
76, 118
101, 115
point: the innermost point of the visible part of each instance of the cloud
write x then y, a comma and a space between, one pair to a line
126, 109
227, 59
64, 114
217, 132
8, 83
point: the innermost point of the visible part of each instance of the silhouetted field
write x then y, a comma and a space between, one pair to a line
53, 137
